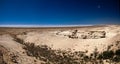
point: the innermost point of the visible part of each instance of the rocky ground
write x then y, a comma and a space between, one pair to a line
60, 45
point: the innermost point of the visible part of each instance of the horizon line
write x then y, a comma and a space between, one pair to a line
45, 25
29, 26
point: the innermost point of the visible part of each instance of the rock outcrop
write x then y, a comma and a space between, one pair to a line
83, 35
92, 35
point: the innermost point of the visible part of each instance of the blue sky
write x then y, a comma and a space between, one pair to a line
55, 12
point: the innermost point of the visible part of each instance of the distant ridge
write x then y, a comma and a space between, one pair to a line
43, 25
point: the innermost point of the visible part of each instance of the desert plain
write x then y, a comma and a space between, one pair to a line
97, 44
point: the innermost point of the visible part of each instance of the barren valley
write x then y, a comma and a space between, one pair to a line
60, 45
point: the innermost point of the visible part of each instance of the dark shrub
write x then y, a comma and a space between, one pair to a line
116, 59
107, 54
117, 52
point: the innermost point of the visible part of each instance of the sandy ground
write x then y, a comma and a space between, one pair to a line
47, 36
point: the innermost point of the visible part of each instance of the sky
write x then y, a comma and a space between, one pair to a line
59, 12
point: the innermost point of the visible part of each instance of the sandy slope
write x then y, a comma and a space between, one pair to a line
15, 49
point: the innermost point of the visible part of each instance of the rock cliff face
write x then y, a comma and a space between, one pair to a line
83, 35
92, 35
